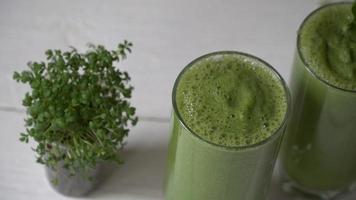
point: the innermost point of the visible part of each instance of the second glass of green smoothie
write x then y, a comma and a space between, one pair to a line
319, 150
229, 114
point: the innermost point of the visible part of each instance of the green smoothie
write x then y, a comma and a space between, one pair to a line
231, 101
327, 46
319, 150
229, 115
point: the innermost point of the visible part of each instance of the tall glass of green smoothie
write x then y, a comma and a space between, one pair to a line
319, 150
229, 114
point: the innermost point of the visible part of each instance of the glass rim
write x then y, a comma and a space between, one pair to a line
234, 148
301, 55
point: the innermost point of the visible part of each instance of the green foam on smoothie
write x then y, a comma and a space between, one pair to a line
327, 48
231, 100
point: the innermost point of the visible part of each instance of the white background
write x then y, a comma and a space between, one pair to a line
166, 36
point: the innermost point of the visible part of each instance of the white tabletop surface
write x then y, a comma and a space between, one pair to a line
166, 35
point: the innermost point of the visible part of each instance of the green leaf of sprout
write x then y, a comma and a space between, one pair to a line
78, 108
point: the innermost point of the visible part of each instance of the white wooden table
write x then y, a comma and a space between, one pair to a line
166, 36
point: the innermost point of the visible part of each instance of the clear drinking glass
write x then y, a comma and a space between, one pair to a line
318, 154
201, 170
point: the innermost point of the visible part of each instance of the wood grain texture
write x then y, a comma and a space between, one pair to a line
140, 178
166, 35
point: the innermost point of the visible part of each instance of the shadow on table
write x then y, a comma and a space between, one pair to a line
142, 174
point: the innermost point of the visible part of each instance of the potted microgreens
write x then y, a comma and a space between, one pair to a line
78, 113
